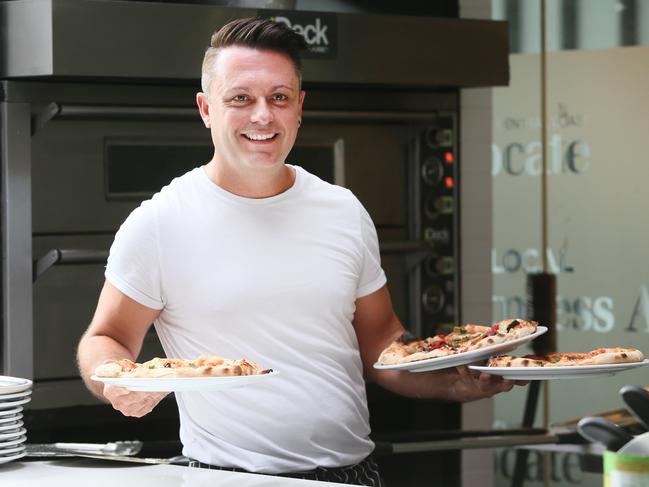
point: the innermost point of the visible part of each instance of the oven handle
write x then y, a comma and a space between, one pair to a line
67, 257
133, 112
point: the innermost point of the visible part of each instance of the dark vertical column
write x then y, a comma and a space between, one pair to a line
513, 15
569, 26
17, 320
629, 22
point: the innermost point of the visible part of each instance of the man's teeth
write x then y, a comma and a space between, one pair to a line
259, 136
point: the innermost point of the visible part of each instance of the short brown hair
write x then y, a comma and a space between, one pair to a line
256, 33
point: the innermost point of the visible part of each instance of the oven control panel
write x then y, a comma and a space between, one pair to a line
435, 225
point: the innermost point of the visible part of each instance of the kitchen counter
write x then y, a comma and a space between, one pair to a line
81, 472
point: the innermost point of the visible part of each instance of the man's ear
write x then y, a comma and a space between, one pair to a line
300, 103
203, 107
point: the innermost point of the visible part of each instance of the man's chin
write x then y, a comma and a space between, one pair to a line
262, 163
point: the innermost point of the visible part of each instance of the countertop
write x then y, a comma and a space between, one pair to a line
81, 472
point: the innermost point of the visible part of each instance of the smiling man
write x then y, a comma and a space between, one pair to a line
248, 256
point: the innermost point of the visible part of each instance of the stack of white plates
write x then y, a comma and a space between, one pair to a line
14, 393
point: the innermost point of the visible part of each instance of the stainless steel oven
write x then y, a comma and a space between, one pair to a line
86, 135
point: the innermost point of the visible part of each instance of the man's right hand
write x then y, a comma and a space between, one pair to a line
131, 403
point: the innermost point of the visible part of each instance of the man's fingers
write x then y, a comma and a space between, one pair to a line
111, 391
129, 403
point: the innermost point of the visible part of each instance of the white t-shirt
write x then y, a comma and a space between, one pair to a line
274, 280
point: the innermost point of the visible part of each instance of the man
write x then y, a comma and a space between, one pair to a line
250, 257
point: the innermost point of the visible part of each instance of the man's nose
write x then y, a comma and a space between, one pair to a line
261, 113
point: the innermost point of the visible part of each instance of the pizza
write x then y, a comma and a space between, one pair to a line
599, 356
170, 368
408, 348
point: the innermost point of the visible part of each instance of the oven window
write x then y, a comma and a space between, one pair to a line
316, 160
135, 171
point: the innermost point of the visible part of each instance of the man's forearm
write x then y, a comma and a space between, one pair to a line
454, 384
95, 350
424, 385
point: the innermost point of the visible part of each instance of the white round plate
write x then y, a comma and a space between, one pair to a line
185, 384
9, 384
463, 358
6, 413
16, 456
566, 372
6, 428
12, 443
12, 404
10, 419
16, 395
5, 436
11, 451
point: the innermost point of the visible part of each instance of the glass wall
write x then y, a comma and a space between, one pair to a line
598, 193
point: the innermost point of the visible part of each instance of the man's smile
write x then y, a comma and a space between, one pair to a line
260, 137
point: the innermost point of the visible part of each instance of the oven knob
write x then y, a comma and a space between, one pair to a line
432, 170
433, 298
439, 266
437, 137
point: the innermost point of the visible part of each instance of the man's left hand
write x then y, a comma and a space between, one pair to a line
470, 386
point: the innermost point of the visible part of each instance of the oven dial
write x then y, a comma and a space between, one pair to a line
432, 171
433, 207
433, 298
439, 266
438, 137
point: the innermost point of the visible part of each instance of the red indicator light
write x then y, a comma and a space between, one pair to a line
448, 157
448, 181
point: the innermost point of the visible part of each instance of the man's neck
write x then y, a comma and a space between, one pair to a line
257, 184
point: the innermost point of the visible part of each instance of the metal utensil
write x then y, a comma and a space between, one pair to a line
636, 400
117, 448
177, 460
602, 431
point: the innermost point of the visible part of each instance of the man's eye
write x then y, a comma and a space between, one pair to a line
240, 98
280, 97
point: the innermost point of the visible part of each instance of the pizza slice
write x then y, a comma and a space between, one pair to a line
408, 348
599, 356
501, 332
462, 336
203, 366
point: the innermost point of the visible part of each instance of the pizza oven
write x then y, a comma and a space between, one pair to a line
87, 134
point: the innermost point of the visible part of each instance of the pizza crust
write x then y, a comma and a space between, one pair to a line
203, 366
600, 356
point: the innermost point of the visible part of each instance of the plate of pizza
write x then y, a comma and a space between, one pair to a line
570, 365
205, 373
466, 344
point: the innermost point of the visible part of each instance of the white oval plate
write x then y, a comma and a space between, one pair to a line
6, 428
10, 419
16, 395
566, 372
9, 458
9, 384
12, 435
11, 404
10, 451
463, 358
185, 384
10, 412
12, 443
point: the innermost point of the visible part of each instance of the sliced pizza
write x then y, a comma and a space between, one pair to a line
501, 332
408, 348
599, 356
203, 366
